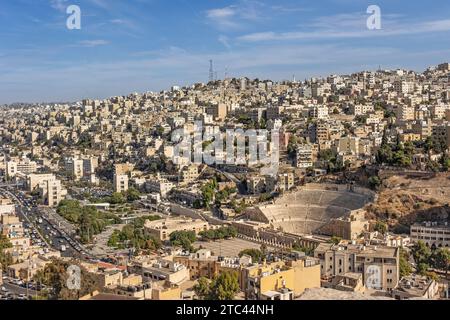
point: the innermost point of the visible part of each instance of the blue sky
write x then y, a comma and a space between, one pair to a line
141, 45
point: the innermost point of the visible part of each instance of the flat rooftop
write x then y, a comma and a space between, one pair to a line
370, 251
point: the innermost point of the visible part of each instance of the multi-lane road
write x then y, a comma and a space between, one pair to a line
47, 230
46, 227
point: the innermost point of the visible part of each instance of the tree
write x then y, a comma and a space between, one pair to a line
306, 250
5, 257
405, 267
429, 144
292, 146
4, 242
380, 227
202, 288
374, 182
117, 198
421, 253
208, 192
384, 154
132, 194
224, 286
441, 259
445, 162
335, 240
422, 268
55, 276
90, 221
183, 239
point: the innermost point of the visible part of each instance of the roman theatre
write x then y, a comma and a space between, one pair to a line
311, 209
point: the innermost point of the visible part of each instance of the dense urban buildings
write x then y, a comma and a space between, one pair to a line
334, 186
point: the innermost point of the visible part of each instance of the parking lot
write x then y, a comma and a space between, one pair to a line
15, 289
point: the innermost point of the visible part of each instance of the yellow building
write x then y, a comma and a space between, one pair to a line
259, 281
166, 293
405, 137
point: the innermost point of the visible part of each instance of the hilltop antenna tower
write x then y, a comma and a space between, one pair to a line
211, 71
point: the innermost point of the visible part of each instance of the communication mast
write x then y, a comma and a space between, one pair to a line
211, 71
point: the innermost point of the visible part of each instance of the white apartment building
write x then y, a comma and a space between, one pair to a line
403, 87
160, 186
33, 180
348, 145
74, 167
52, 192
378, 265
304, 158
360, 109
11, 169
24, 166
121, 182
318, 112
405, 113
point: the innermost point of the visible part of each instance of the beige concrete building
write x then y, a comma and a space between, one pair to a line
256, 185
350, 281
200, 264
50, 189
405, 113
416, 287
159, 269
52, 192
349, 227
219, 111
189, 174
348, 145
160, 186
378, 265
33, 180
74, 167
121, 182
24, 166
434, 235
161, 229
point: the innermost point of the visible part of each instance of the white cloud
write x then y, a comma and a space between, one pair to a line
234, 16
225, 41
222, 13
60, 5
93, 43
223, 17
349, 26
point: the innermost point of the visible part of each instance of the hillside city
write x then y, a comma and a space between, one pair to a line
339, 189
